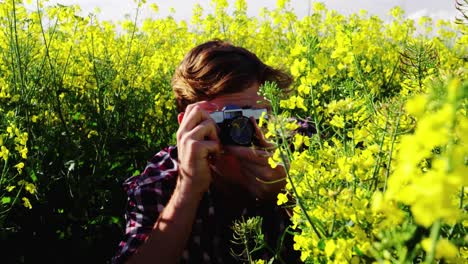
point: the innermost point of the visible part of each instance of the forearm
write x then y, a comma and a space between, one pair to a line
168, 238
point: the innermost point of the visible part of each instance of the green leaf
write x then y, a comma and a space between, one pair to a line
115, 220
6, 200
61, 234
76, 116
33, 176
321, 244
115, 165
135, 173
358, 251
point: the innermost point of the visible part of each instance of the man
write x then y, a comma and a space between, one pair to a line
182, 207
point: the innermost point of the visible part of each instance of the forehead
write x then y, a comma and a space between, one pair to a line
246, 98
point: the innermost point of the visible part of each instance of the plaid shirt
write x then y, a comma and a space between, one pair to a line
211, 234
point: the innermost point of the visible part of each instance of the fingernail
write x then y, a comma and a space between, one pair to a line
209, 106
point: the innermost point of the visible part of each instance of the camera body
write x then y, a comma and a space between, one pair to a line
236, 126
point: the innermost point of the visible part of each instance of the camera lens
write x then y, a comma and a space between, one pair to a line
241, 130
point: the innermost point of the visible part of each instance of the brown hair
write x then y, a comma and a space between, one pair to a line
218, 67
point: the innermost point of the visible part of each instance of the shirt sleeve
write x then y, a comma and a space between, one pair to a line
147, 194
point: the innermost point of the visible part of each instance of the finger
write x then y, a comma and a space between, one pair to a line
248, 155
198, 150
213, 150
206, 130
209, 106
194, 114
205, 105
192, 118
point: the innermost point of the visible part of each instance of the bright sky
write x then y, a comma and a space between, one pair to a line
117, 9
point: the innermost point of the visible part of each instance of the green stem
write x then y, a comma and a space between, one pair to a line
376, 166
299, 200
17, 51
316, 123
55, 81
462, 195
245, 242
4, 172
270, 92
132, 36
435, 233
387, 173
14, 200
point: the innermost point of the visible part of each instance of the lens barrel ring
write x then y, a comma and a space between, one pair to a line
239, 131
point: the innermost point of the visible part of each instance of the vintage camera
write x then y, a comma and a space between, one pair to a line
236, 126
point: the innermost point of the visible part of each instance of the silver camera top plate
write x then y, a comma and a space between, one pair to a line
220, 116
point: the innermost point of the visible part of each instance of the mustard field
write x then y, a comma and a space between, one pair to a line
85, 103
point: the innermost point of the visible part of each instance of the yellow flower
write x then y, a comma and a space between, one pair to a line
298, 50
330, 247
29, 187
304, 89
337, 121
272, 163
319, 7
92, 133
289, 103
19, 167
298, 67
10, 131
304, 254
154, 7
454, 90
331, 71
300, 103
290, 126
24, 153
22, 138
282, 199
443, 249
325, 87
262, 119
26, 203
4, 152
315, 76
416, 105
280, 4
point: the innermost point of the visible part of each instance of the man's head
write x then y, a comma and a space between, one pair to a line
212, 76
217, 68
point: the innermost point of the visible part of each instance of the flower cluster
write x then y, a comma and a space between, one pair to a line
382, 180
15, 184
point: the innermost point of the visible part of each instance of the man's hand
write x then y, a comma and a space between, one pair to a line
257, 176
198, 146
